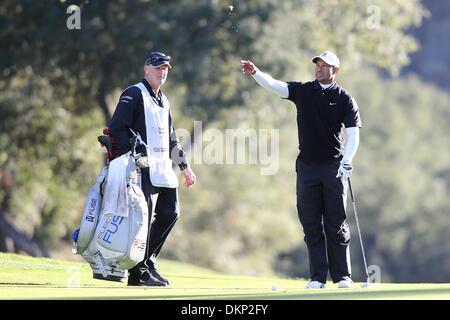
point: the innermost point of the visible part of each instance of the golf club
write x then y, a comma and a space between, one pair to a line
367, 284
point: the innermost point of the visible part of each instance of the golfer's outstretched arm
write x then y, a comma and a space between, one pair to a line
278, 87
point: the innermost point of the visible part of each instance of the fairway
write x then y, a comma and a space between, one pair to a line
24, 277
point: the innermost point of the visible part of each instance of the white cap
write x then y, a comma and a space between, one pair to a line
328, 57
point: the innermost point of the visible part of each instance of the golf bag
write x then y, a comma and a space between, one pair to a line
114, 241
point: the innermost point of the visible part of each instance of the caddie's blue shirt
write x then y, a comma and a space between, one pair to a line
322, 115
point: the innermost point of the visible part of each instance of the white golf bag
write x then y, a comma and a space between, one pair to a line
113, 242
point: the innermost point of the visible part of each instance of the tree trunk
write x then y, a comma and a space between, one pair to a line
21, 242
101, 99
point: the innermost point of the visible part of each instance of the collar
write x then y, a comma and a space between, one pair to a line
317, 86
150, 90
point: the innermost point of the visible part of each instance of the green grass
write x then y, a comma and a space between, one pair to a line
23, 277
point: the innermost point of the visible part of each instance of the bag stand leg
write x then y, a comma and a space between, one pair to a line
101, 271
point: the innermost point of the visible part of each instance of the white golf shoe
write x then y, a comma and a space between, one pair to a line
345, 284
315, 285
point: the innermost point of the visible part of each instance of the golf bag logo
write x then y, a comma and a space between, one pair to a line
139, 244
91, 214
112, 226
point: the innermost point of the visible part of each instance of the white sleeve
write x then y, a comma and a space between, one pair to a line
278, 87
352, 144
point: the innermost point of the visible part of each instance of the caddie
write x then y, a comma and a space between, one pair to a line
145, 110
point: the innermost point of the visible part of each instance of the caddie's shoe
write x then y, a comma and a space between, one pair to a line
157, 275
315, 285
149, 281
347, 283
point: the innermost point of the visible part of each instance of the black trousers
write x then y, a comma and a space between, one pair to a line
321, 205
163, 203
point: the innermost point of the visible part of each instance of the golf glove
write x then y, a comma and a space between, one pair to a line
345, 170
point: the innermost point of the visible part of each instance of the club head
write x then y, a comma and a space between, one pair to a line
365, 285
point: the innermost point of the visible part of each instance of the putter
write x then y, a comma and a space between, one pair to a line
367, 284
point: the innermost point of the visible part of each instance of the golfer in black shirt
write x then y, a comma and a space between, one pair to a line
324, 164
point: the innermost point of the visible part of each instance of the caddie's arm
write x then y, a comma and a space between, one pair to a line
278, 87
122, 119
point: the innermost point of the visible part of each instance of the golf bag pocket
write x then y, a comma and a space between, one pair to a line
122, 240
112, 234
90, 214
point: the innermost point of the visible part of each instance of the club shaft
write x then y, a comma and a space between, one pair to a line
357, 226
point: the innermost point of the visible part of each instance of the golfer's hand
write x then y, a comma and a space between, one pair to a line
345, 170
248, 67
190, 177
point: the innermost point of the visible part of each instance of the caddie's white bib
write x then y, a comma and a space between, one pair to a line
158, 136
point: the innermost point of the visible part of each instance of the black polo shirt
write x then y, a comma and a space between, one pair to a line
321, 116
130, 113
